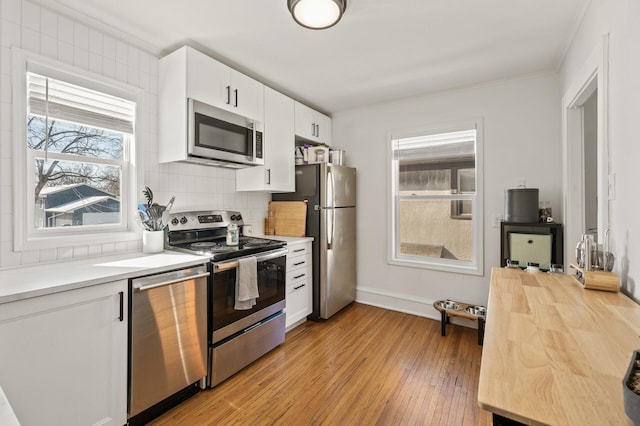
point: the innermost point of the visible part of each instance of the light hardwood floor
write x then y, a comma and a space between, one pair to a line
365, 366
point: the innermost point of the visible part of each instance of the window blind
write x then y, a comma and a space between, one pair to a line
69, 102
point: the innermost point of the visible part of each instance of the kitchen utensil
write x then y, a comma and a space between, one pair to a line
149, 195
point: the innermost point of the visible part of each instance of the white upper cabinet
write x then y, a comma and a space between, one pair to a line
278, 173
187, 73
312, 125
217, 84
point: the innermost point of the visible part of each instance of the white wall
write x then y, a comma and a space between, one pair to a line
621, 19
522, 129
28, 26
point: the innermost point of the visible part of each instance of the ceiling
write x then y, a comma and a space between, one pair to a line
381, 49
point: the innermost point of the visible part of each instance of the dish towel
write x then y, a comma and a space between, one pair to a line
246, 283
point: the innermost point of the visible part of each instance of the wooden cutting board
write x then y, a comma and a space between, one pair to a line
287, 218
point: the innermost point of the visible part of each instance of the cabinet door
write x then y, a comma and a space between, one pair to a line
247, 96
278, 173
305, 128
312, 125
208, 80
64, 356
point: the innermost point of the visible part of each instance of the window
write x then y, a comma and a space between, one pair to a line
74, 149
436, 206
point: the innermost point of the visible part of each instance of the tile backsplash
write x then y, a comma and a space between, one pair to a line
42, 31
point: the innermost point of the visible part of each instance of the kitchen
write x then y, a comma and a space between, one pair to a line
522, 121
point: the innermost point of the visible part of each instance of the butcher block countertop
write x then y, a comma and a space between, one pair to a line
555, 353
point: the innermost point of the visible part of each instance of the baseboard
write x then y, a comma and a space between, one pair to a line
407, 304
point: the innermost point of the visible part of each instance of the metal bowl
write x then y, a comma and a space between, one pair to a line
479, 311
448, 305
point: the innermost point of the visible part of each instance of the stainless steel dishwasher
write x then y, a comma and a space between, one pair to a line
168, 339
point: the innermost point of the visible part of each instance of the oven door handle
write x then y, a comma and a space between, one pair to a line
223, 266
171, 281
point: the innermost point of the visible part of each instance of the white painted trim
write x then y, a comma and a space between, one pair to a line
476, 267
594, 74
23, 237
406, 304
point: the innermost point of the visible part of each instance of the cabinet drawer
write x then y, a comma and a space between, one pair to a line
299, 249
294, 278
298, 262
297, 300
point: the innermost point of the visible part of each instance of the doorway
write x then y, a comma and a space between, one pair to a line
585, 152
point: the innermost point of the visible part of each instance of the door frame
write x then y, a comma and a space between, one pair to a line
594, 75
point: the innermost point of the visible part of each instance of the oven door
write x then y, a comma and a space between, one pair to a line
271, 276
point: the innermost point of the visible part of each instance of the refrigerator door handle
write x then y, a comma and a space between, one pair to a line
332, 187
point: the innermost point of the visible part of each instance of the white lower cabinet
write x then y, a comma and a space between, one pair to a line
299, 283
63, 356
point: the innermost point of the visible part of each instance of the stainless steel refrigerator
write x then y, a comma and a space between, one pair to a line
330, 191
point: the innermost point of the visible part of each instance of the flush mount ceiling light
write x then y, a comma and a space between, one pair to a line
317, 14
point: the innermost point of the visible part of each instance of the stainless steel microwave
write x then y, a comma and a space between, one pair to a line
222, 138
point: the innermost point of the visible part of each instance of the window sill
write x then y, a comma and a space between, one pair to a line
49, 242
453, 267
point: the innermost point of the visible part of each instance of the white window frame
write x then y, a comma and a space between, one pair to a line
26, 236
394, 257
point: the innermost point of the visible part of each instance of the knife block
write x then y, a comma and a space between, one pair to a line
597, 280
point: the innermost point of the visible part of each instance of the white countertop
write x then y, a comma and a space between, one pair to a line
38, 280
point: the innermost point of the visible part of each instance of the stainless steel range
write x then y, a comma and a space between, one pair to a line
237, 337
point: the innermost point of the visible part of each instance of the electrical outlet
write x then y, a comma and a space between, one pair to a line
495, 220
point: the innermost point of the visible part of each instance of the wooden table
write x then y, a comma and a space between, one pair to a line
555, 353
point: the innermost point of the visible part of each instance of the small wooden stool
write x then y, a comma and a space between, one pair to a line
464, 310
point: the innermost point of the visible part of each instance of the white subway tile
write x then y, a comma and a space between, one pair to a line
121, 247
47, 255
122, 52
95, 250
134, 245
109, 67
48, 23
81, 251
10, 33
8, 257
5, 90
6, 227
30, 40
6, 198
49, 46
145, 60
65, 29
109, 47
6, 176
95, 63
81, 58
133, 58
29, 257
10, 10
6, 114
108, 248
31, 16
5, 61
122, 72
133, 76
95, 41
65, 52
65, 253
6, 144
80, 36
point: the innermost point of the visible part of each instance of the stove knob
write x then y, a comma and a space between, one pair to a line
238, 217
233, 217
175, 221
183, 220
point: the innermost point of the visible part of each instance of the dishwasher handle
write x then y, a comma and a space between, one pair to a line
172, 278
